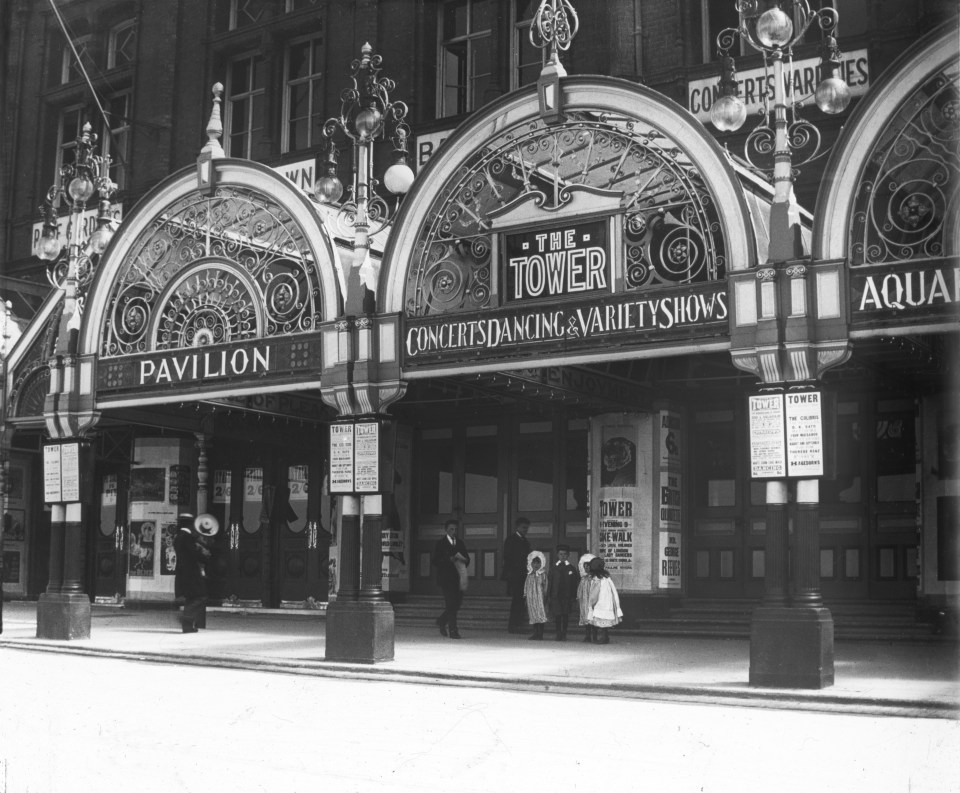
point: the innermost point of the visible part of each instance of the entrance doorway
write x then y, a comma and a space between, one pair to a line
868, 510
271, 550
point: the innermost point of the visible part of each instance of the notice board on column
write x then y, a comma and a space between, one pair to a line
357, 450
61, 472
786, 435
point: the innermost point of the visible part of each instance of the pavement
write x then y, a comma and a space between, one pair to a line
872, 678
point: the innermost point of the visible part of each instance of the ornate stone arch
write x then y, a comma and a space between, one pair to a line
891, 190
251, 260
622, 150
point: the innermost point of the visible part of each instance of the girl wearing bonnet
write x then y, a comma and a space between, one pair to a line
535, 592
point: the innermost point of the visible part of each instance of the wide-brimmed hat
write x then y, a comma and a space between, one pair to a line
585, 560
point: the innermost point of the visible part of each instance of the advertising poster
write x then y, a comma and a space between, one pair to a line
768, 453
804, 434
108, 495
341, 458
622, 515
670, 436
179, 484
221, 486
396, 528
616, 535
670, 560
142, 541
670, 500
168, 560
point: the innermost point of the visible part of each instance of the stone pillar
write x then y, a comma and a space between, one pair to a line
73, 549
360, 623
776, 564
371, 555
349, 572
58, 519
63, 611
806, 545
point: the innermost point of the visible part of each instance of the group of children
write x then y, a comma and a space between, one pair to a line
586, 585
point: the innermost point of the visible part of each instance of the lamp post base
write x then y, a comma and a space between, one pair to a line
791, 647
63, 616
360, 631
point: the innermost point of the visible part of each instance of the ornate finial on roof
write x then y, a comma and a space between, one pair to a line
214, 127
553, 27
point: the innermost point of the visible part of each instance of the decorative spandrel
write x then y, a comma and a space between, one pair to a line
909, 195
213, 270
671, 227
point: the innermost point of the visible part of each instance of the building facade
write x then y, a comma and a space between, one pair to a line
568, 316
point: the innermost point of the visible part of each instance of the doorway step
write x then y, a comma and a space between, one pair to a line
855, 620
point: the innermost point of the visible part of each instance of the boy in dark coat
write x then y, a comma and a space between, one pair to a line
562, 590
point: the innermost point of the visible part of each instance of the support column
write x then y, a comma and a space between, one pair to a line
58, 519
360, 623
791, 646
371, 554
806, 545
63, 611
776, 558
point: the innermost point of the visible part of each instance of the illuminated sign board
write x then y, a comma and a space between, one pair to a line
895, 292
211, 367
682, 312
554, 263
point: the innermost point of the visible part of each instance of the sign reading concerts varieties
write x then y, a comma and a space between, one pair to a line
786, 435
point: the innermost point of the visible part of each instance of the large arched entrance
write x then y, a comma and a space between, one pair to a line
888, 208
563, 293
202, 333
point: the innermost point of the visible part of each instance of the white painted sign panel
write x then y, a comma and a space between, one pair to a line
804, 434
768, 450
341, 458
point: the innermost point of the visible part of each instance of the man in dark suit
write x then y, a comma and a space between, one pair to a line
190, 577
450, 557
516, 548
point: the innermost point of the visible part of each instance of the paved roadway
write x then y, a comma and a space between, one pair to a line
102, 724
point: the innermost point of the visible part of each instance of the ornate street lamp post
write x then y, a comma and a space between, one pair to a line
792, 633
362, 376
63, 611
367, 116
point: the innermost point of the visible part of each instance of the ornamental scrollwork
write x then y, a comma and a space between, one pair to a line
213, 270
909, 194
671, 226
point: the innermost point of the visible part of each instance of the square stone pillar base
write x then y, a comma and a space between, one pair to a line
63, 616
791, 647
360, 631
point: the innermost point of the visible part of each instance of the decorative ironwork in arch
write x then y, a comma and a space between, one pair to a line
909, 193
671, 227
211, 270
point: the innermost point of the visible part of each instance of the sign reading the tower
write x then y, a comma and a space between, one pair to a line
562, 262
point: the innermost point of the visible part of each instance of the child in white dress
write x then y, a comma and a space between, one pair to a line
583, 594
604, 602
